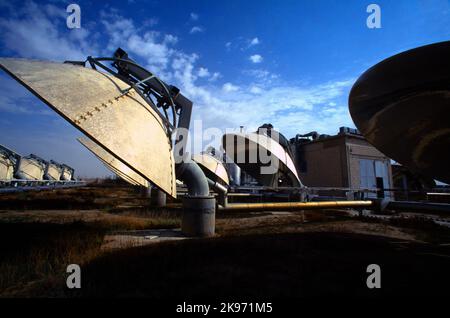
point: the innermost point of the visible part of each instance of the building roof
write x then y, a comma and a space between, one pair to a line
343, 133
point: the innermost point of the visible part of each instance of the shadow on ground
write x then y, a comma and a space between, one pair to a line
302, 264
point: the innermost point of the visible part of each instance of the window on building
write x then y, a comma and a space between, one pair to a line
367, 173
374, 174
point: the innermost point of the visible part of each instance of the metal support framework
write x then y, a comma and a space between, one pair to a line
199, 206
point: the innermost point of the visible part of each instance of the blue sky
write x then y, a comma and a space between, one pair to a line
291, 63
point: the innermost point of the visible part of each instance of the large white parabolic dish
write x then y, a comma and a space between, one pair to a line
261, 157
123, 124
113, 164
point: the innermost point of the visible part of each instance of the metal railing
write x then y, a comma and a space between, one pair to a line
18, 185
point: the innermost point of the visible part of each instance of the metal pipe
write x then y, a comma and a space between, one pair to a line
158, 198
422, 206
237, 194
295, 205
221, 190
193, 177
199, 208
217, 186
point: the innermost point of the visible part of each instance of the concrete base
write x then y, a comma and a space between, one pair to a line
127, 239
199, 216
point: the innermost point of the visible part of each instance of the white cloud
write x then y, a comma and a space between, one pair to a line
215, 76
156, 49
254, 41
203, 72
156, 54
257, 73
18, 100
256, 58
55, 12
242, 43
261, 74
170, 39
228, 88
32, 32
255, 90
292, 108
194, 16
196, 29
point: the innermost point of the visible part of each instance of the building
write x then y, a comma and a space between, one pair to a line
345, 160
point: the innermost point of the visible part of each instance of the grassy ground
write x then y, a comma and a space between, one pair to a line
262, 254
280, 265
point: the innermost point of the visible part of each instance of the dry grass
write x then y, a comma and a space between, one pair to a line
260, 254
37, 249
41, 232
253, 255
34, 252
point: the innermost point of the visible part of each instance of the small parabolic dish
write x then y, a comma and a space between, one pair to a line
402, 106
53, 171
6, 167
95, 103
67, 173
8, 162
212, 168
261, 157
30, 168
114, 164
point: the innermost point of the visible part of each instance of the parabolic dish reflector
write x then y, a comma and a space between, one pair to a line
53, 171
123, 124
67, 173
6, 168
261, 157
113, 164
30, 168
212, 167
402, 106
8, 161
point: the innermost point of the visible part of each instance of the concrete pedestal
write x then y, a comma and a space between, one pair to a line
199, 216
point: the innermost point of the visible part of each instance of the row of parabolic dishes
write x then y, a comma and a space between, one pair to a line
218, 166
31, 168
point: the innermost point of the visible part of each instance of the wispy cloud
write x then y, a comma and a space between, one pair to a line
228, 88
197, 29
215, 76
16, 99
255, 90
256, 58
203, 72
33, 31
253, 42
241, 43
219, 100
193, 16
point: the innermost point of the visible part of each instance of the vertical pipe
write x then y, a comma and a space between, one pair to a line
158, 198
199, 208
146, 192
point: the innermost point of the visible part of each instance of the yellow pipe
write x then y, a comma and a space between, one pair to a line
295, 205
